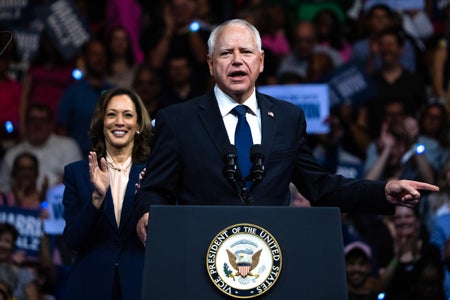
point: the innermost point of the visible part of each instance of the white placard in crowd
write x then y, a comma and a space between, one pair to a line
12, 10
27, 42
66, 26
55, 223
312, 98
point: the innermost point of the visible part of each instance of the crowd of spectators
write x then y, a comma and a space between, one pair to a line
400, 130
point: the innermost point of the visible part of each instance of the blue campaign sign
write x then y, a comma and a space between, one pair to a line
65, 25
312, 98
350, 84
29, 225
55, 223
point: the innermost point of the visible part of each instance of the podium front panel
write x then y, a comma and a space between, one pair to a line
310, 240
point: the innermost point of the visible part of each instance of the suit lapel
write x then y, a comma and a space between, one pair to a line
211, 119
109, 209
268, 123
128, 202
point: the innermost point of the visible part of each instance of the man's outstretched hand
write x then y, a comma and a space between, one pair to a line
406, 192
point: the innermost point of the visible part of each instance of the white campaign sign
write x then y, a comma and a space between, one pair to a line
312, 98
55, 223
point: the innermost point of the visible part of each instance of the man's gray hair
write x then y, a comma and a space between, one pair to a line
218, 29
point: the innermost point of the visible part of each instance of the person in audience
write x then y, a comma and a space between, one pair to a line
358, 268
440, 62
121, 59
393, 82
179, 85
79, 99
52, 151
438, 203
366, 51
176, 38
411, 247
433, 123
8, 280
394, 154
274, 35
440, 236
305, 45
25, 192
128, 15
148, 86
330, 33
446, 255
24, 287
427, 280
319, 67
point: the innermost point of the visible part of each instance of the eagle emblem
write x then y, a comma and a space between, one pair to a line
244, 261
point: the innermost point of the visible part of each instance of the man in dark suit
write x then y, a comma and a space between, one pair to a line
191, 139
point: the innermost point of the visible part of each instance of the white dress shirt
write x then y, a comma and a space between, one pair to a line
226, 105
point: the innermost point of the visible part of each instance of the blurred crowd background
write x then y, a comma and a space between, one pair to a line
389, 114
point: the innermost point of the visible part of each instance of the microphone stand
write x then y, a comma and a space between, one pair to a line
233, 175
240, 187
244, 194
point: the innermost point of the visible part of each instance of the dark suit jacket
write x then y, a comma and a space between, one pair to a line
187, 162
99, 244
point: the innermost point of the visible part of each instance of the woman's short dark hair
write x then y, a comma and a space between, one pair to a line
141, 148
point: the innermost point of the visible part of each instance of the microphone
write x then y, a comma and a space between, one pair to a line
232, 174
257, 156
230, 170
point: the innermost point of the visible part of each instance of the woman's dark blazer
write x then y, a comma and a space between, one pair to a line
101, 247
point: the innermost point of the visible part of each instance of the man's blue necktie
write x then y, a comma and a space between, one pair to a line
243, 140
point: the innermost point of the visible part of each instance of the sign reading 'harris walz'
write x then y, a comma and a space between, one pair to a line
28, 224
244, 260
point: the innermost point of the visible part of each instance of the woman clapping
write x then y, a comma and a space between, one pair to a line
99, 201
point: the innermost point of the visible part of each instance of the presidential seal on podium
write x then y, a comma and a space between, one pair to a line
244, 260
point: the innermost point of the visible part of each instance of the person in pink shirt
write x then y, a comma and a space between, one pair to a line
273, 33
127, 14
330, 33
